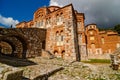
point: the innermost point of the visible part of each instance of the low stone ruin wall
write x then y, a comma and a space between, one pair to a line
11, 74
46, 75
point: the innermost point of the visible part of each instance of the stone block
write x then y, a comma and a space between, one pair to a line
13, 75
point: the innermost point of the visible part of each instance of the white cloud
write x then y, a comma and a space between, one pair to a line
8, 21
54, 3
105, 13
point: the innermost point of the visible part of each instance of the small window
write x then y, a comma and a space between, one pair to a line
80, 38
48, 21
117, 45
57, 36
37, 24
92, 38
41, 23
93, 46
90, 26
102, 40
61, 37
79, 24
91, 32
59, 19
61, 34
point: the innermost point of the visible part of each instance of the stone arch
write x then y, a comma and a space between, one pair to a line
10, 43
21, 38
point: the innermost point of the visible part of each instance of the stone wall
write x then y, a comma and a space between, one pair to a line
10, 73
47, 75
25, 42
13, 75
101, 43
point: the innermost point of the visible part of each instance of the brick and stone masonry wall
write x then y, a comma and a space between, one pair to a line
30, 39
67, 26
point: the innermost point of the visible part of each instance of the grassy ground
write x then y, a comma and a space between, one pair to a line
97, 61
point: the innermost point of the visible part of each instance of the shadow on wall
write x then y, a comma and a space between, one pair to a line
15, 61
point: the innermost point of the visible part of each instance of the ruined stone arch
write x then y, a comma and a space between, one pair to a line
10, 43
19, 37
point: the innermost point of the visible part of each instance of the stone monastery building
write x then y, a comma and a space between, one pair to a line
68, 37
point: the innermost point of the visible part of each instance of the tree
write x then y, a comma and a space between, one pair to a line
117, 28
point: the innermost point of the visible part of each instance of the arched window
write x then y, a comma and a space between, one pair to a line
37, 24
61, 35
48, 22
41, 23
80, 38
59, 18
79, 24
57, 36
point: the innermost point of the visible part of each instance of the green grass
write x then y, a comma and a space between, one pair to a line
97, 61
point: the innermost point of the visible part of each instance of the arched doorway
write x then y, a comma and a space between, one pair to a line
63, 54
56, 53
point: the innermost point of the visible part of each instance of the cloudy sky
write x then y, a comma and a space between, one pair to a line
105, 13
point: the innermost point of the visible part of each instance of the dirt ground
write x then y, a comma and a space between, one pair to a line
71, 71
